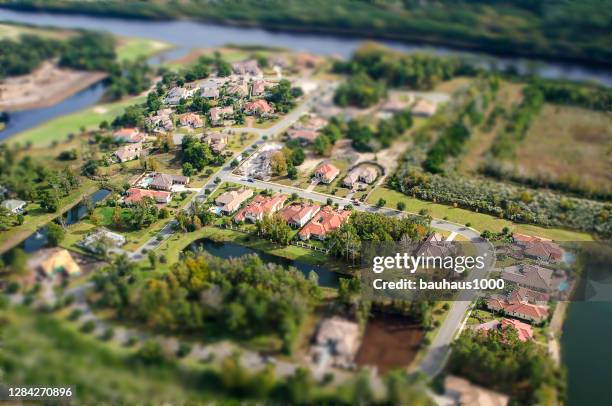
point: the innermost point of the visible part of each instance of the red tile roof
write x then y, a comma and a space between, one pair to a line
259, 106
259, 206
325, 221
524, 330
327, 172
135, 195
299, 213
520, 309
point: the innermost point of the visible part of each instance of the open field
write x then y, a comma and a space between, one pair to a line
569, 145
479, 221
13, 31
59, 128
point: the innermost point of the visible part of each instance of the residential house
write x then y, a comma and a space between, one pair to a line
217, 114
128, 135
314, 123
51, 262
298, 214
463, 392
238, 89
305, 136
338, 338
306, 61
259, 207
175, 95
326, 173
539, 248
324, 222
258, 88
364, 174
518, 308
211, 87
191, 119
534, 277
231, 201
102, 240
258, 107
164, 181
424, 108
247, 67
434, 246
15, 206
217, 141
135, 195
395, 104
524, 330
128, 152
160, 122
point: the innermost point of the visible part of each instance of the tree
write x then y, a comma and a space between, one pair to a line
297, 156
278, 163
152, 258
322, 145
55, 234
381, 202
292, 173
117, 218
401, 206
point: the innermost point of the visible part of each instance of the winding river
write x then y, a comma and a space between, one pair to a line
587, 330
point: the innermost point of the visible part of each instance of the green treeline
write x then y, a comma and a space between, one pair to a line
500, 361
450, 143
86, 51
205, 295
572, 30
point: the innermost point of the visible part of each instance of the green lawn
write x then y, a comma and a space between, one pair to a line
479, 221
130, 49
59, 128
13, 31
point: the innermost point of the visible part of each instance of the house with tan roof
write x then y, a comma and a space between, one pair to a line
325, 221
135, 195
128, 152
164, 181
129, 135
534, 277
338, 338
217, 114
303, 135
160, 122
232, 200
326, 173
217, 141
298, 214
464, 393
362, 174
259, 207
247, 67
191, 120
258, 88
258, 107
49, 262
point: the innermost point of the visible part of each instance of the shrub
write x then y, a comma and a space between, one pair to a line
88, 326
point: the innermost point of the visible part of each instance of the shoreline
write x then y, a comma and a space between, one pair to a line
90, 79
518, 51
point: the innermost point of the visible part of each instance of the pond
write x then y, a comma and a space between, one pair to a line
38, 239
327, 278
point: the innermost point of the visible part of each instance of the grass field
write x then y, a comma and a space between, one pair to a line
130, 49
479, 221
570, 145
59, 128
13, 31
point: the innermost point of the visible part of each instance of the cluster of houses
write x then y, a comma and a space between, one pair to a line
313, 220
155, 185
534, 286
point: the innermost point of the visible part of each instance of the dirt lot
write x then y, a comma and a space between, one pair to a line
44, 87
569, 144
389, 342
